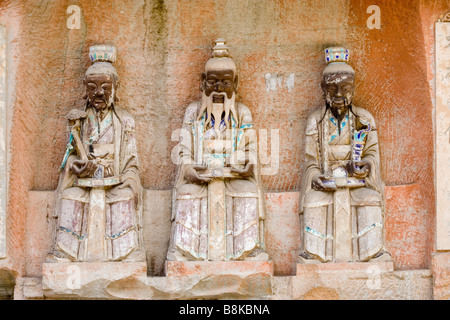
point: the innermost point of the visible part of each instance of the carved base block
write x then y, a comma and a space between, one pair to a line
224, 279
352, 267
87, 280
358, 281
199, 268
441, 275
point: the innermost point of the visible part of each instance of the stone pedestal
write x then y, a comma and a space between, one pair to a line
441, 275
3, 143
442, 127
225, 279
87, 280
359, 281
343, 267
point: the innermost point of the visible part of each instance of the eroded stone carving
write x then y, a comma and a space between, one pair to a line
99, 204
218, 211
342, 192
442, 136
3, 132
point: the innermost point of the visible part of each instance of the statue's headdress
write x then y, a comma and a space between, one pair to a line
220, 58
103, 57
337, 61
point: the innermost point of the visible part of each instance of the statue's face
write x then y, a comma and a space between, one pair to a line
219, 81
339, 89
100, 90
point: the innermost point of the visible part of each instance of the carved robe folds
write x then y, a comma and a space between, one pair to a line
222, 219
108, 214
347, 224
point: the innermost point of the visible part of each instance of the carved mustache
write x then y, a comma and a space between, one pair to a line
345, 100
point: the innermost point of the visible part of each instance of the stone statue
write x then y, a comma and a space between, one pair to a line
218, 209
342, 194
99, 200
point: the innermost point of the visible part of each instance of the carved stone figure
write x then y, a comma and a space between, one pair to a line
99, 205
218, 209
342, 194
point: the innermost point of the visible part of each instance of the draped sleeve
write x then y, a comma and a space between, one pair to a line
311, 162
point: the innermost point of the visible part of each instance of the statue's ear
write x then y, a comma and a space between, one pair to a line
323, 86
203, 79
85, 91
236, 83
116, 87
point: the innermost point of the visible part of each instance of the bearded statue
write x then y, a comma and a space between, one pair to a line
218, 211
342, 194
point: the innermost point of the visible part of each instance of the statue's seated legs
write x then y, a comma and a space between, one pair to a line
121, 225
242, 218
71, 231
318, 224
366, 207
191, 226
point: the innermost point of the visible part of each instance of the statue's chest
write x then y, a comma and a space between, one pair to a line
217, 150
214, 144
338, 138
99, 137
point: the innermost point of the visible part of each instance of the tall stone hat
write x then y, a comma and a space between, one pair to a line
337, 60
221, 59
102, 58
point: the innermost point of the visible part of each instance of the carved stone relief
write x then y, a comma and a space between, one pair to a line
442, 118
3, 132
342, 196
99, 206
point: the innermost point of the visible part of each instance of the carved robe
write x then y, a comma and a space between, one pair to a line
328, 149
241, 198
112, 144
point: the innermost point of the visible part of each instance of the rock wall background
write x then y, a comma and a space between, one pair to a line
162, 47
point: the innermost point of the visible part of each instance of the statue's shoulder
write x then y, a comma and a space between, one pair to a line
191, 112
314, 118
125, 117
316, 115
364, 115
244, 113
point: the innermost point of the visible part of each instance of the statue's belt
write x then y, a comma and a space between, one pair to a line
98, 182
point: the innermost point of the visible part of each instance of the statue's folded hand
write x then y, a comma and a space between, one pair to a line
83, 168
246, 172
317, 184
359, 169
192, 176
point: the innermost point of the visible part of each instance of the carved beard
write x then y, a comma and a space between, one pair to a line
347, 105
228, 106
347, 100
